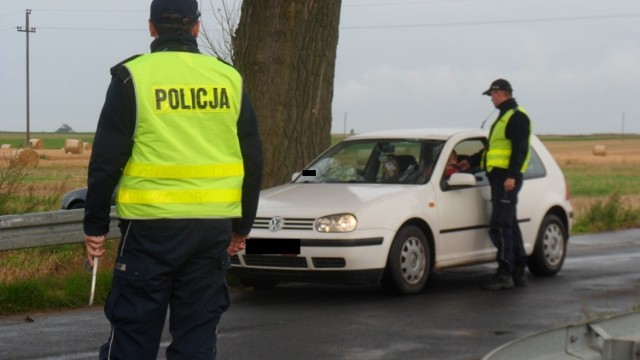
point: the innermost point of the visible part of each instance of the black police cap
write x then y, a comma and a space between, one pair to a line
500, 84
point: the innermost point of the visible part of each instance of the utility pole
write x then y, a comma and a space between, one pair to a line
27, 30
344, 128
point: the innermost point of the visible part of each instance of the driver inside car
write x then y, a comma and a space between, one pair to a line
390, 168
399, 169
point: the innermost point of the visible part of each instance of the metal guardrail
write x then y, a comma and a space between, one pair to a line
614, 338
45, 228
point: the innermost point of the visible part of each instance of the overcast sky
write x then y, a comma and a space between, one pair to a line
573, 64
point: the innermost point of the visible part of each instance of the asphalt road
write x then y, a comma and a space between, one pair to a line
452, 319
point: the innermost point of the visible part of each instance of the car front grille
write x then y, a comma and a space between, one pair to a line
288, 223
276, 261
294, 262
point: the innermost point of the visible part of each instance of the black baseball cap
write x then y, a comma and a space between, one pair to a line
174, 11
500, 84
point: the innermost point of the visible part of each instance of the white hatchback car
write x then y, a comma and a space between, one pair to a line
355, 223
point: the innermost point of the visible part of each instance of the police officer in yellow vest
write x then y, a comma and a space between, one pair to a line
179, 136
505, 160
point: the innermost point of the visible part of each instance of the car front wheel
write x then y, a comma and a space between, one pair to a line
408, 263
551, 247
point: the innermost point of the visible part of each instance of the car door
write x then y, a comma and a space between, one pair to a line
464, 212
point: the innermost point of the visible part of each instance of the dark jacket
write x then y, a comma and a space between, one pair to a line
113, 144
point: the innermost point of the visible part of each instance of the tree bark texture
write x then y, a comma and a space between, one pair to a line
286, 52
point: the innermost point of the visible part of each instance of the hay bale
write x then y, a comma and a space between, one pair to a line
87, 146
27, 158
600, 150
5, 146
73, 146
36, 144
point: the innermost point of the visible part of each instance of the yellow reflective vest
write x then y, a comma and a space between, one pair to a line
499, 153
186, 160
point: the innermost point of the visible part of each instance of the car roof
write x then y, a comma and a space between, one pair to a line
418, 133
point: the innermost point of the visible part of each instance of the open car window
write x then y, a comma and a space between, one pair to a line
466, 150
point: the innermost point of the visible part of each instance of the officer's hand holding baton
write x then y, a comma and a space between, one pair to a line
95, 249
94, 246
237, 243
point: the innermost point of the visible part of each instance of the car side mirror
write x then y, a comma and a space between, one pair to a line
459, 181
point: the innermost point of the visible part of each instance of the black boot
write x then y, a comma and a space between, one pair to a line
502, 281
520, 276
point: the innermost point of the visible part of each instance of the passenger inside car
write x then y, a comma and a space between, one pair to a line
452, 166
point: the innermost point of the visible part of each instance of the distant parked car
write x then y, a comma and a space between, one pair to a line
357, 221
75, 199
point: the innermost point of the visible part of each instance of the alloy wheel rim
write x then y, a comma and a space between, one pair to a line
412, 260
553, 243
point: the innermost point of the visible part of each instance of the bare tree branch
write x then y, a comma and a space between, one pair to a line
226, 19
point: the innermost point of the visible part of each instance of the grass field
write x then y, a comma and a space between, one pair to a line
594, 178
604, 192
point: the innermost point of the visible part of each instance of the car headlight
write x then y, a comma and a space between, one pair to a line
336, 223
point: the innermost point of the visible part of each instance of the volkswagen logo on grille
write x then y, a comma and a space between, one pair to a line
276, 223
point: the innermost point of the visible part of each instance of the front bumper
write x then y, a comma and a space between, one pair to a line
371, 276
359, 259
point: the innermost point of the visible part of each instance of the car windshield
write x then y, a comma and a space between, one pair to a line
390, 161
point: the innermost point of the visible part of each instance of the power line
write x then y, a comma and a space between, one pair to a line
367, 27
88, 28
91, 10
494, 22
407, 3
12, 13
108, 10
395, 4
6, 32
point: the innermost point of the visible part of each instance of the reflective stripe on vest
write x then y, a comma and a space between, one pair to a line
186, 160
499, 153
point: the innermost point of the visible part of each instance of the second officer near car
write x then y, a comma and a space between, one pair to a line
505, 159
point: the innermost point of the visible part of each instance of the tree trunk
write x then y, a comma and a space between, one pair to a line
286, 52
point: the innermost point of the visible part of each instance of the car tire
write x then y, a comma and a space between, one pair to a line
408, 262
550, 249
77, 205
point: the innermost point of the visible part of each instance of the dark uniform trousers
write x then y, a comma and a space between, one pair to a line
503, 228
161, 264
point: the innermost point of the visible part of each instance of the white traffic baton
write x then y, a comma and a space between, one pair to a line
93, 279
